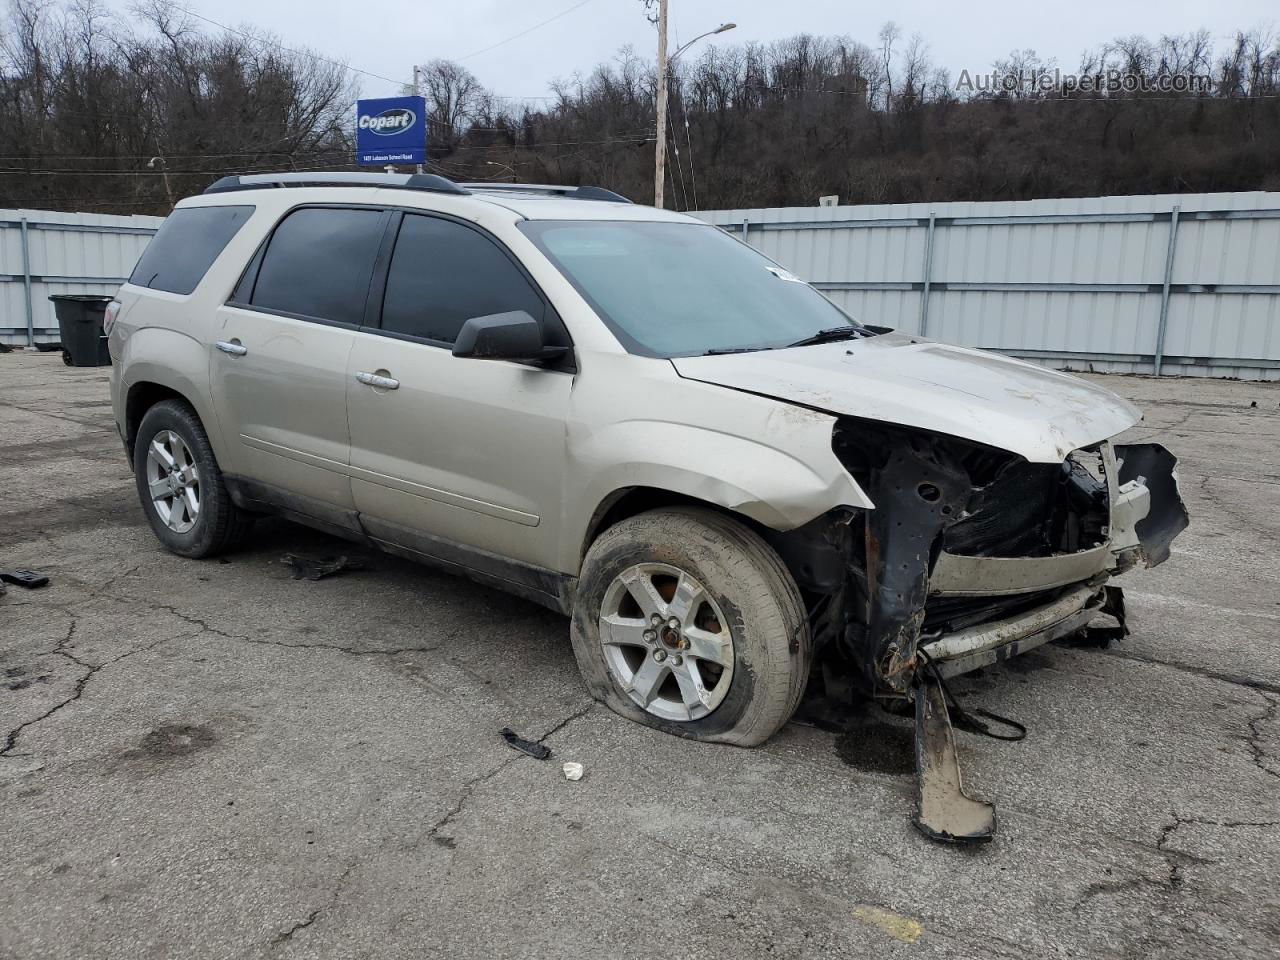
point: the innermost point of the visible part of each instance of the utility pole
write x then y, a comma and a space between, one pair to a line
417, 92
664, 65
660, 156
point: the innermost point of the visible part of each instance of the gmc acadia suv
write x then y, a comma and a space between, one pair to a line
736, 491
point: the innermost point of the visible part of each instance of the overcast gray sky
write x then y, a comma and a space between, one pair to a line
386, 37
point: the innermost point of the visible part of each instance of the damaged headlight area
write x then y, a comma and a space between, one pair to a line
971, 555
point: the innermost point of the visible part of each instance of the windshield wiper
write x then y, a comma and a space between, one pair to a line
721, 351
830, 335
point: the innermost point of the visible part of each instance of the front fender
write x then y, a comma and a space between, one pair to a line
784, 479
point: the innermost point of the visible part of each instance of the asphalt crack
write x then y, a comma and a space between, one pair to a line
285, 936
1260, 757
1171, 883
91, 671
300, 925
1178, 858
351, 651
1112, 887
1178, 822
1254, 740
193, 621
469, 788
1231, 509
1264, 686
95, 425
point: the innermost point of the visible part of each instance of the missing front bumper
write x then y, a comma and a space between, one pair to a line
969, 557
988, 643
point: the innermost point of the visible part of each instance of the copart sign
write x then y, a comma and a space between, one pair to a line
391, 130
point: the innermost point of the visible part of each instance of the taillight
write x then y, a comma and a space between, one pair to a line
109, 317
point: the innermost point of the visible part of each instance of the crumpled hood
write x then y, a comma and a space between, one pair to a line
988, 398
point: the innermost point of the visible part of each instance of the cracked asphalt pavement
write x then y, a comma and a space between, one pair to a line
212, 759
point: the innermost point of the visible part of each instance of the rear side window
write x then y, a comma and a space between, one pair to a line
443, 274
318, 264
184, 248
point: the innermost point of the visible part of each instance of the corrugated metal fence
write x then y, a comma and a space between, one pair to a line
43, 253
1185, 285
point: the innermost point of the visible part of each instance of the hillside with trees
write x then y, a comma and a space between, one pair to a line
118, 116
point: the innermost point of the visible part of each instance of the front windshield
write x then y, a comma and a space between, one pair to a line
683, 289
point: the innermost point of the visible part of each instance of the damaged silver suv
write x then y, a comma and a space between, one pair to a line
736, 491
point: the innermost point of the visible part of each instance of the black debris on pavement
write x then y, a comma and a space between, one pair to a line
313, 568
533, 749
24, 578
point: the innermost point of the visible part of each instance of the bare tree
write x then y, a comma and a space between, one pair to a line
87, 99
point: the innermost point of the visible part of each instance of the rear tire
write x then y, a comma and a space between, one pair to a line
180, 485
700, 560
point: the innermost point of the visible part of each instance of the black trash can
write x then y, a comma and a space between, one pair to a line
80, 324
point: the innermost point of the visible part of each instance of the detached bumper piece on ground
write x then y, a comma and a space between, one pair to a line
972, 556
22, 578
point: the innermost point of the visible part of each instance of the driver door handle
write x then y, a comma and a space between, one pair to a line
376, 380
233, 347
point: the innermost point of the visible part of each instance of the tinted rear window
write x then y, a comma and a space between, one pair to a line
185, 247
319, 263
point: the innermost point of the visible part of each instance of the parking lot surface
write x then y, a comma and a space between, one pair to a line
212, 759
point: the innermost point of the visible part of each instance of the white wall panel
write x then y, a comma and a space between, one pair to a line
1084, 289
1078, 279
95, 251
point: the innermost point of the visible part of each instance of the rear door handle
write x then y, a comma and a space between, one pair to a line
379, 381
233, 347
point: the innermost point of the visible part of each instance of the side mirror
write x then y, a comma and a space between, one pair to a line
503, 336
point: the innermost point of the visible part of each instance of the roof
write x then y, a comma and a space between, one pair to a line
534, 206
530, 201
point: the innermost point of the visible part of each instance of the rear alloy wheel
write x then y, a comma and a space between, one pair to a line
686, 620
180, 486
173, 480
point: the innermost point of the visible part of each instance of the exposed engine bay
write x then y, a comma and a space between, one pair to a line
971, 555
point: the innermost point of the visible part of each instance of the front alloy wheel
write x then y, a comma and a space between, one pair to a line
666, 641
685, 619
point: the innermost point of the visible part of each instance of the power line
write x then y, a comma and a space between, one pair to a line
689, 140
294, 50
303, 52
524, 33
335, 152
684, 193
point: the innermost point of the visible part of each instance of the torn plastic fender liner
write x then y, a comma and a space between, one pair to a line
1151, 465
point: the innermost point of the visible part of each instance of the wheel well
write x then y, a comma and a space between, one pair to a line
142, 397
809, 551
630, 501
621, 504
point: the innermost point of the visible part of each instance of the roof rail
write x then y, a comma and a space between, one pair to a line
395, 181
573, 193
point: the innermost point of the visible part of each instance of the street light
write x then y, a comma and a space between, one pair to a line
510, 169
664, 63
164, 172
710, 33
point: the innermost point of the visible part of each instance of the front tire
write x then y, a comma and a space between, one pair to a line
180, 486
687, 621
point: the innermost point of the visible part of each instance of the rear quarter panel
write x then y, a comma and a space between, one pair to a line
164, 338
